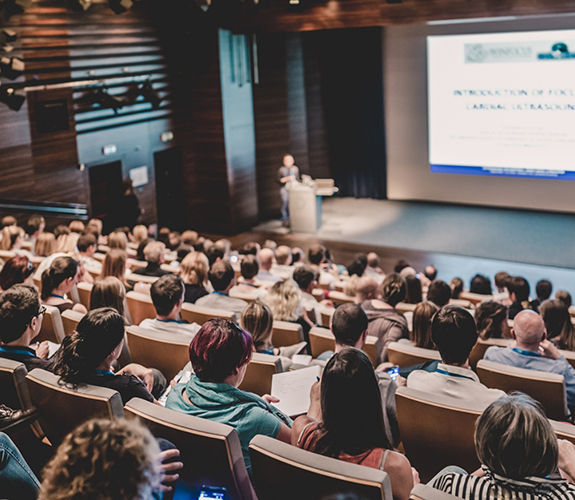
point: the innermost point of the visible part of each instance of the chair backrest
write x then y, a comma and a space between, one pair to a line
479, 349
242, 296
13, 389
140, 306
141, 278
404, 354
70, 320
63, 409
436, 431
340, 298
37, 283
475, 298
466, 304
6, 255
167, 352
136, 264
286, 333
563, 430
321, 340
84, 292
547, 388
199, 315
318, 294
282, 471
569, 356
326, 316
210, 451
52, 327
403, 307
423, 492
259, 373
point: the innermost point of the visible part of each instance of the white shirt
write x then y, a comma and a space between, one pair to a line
187, 329
282, 271
264, 275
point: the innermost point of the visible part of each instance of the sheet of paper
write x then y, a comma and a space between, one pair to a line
181, 378
292, 389
301, 359
52, 348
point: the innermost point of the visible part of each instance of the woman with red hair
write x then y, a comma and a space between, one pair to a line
17, 270
220, 353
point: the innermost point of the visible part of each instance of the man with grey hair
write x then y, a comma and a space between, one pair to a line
533, 351
365, 289
266, 259
154, 255
282, 267
373, 270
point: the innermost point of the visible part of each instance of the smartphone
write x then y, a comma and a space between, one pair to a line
212, 492
187, 491
233, 259
393, 373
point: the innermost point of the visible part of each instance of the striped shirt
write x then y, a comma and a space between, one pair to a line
496, 487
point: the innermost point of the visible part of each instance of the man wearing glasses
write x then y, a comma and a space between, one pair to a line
21, 317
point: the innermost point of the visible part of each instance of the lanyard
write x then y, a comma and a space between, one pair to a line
57, 296
104, 372
445, 372
220, 293
170, 321
527, 353
18, 351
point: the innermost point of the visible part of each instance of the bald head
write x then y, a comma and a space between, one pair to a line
528, 328
365, 289
266, 258
372, 259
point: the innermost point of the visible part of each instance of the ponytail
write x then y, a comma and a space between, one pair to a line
393, 289
60, 270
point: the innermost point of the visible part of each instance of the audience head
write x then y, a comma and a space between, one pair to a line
288, 161
8, 221
456, 285
414, 294
221, 275
174, 240
95, 227
528, 329
35, 225
214, 254
351, 406
109, 292
61, 273
439, 293
220, 349
316, 254
114, 459
114, 264
357, 267
401, 264
514, 438
305, 277
167, 293
393, 289
251, 248
11, 238
16, 270
518, 289
283, 299
348, 325
20, 309
283, 255
182, 252
164, 235
258, 320
501, 279
266, 258
140, 251
454, 333
189, 237
45, 245
98, 338
271, 244
564, 297
87, 244
421, 331
365, 289
249, 267
373, 260
66, 243
298, 256
543, 289
118, 239
491, 320
430, 272
408, 271
61, 229
77, 226
194, 269
349, 286
140, 233
480, 284
154, 252
557, 322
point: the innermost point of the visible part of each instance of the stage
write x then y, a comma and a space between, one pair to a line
459, 240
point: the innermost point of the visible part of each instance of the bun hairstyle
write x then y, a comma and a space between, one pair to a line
97, 335
60, 270
393, 289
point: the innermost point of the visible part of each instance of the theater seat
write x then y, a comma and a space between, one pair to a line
436, 431
286, 333
210, 451
547, 388
70, 320
259, 373
284, 472
140, 306
84, 293
63, 409
326, 315
403, 307
481, 346
52, 327
339, 298
564, 430
404, 354
13, 388
196, 314
475, 298
322, 340
423, 492
569, 356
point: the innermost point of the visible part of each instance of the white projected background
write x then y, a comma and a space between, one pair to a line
502, 101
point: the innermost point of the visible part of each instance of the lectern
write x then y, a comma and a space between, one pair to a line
305, 203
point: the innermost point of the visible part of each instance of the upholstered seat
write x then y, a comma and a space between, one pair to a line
140, 306
404, 354
197, 314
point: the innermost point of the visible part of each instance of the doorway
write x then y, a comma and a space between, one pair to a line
105, 192
169, 188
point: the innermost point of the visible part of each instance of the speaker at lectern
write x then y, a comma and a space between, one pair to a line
305, 203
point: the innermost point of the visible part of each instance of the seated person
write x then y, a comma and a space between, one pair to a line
87, 355
45, 245
306, 279
373, 270
533, 351
194, 272
414, 291
420, 335
327, 272
168, 296
21, 317
87, 246
282, 267
518, 295
345, 421
284, 300
543, 290
480, 284
266, 260
222, 278
219, 354
17, 480
154, 255
454, 333
385, 322
365, 289
16, 270
560, 329
109, 292
439, 293
249, 268
502, 294
519, 454
564, 297
491, 320
58, 281
456, 285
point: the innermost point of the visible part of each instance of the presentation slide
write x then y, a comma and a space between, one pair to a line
502, 104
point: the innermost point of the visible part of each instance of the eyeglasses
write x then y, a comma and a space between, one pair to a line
41, 312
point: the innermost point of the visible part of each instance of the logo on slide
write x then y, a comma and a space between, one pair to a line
497, 52
558, 51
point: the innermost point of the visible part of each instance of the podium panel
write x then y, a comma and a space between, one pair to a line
304, 209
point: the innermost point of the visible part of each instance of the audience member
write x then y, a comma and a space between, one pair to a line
222, 278
365, 289
194, 272
174, 240
282, 267
115, 265
87, 248
215, 253
519, 453
45, 245
271, 244
189, 238
21, 317
420, 335
400, 265
61, 229
11, 238
219, 354
480, 284
77, 226
439, 293
266, 259
385, 322
109, 292
533, 351
373, 270
58, 281
430, 273
327, 273
87, 355
518, 295
502, 294
456, 285
345, 421
284, 300
358, 266
249, 269
564, 297
306, 279
17, 481
35, 227
543, 290
66, 243
140, 233
298, 257
414, 293
250, 248
8, 220
558, 324
154, 256
140, 250
16, 270
168, 296
491, 320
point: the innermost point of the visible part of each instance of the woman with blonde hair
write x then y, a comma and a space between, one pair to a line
11, 238
140, 233
77, 226
194, 271
45, 245
118, 239
66, 243
284, 299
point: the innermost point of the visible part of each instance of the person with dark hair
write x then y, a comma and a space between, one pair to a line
215, 253
306, 279
400, 265
519, 455
373, 270
491, 320
168, 296
249, 268
87, 355
414, 293
320, 262
58, 281
385, 322
345, 421
502, 294
480, 284
420, 334
250, 248
21, 317
454, 333
564, 297
219, 354
35, 227
16, 270
543, 290
87, 246
222, 278
430, 272
558, 324
439, 293
456, 285
287, 173
128, 209
518, 294
358, 266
